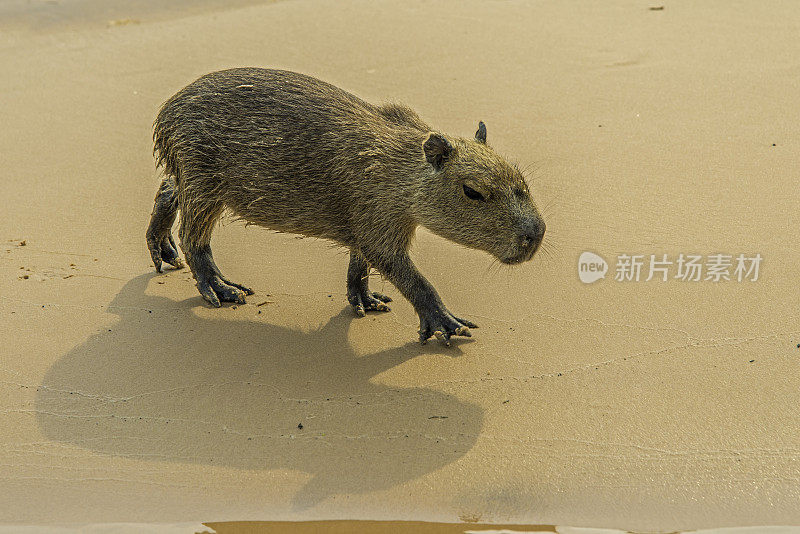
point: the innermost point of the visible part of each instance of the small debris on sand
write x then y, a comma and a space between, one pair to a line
265, 302
300, 426
657, 8
25, 242
122, 22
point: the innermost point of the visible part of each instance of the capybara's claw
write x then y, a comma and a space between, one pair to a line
163, 250
169, 252
365, 301
463, 331
208, 294
470, 324
217, 290
443, 337
246, 289
381, 297
443, 325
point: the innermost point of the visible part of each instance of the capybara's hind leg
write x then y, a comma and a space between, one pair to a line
214, 287
358, 294
195, 233
159, 233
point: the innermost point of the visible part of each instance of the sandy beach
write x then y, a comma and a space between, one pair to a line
638, 405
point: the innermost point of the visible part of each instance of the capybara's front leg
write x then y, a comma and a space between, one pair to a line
434, 317
358, 294
198, 217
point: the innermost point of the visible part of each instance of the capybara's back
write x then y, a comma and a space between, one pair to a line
277, 148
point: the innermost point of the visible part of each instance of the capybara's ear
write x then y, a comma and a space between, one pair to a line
480, 135
437, 149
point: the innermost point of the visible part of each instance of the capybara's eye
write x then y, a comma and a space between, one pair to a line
472, 194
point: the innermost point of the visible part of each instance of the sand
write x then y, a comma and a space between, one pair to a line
634, 405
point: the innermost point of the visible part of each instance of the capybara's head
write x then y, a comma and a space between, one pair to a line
473, 197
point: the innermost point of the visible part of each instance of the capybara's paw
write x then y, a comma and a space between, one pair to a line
364, 301
163, 249
217, 290
442, 325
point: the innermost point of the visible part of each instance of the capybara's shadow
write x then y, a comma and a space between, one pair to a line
163, 384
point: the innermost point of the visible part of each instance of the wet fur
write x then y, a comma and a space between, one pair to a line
295, 154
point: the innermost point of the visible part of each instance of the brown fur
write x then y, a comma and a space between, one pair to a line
295, 154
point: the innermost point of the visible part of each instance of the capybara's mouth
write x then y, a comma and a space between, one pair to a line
523, 256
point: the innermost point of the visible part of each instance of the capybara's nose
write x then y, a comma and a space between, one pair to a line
533, 233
